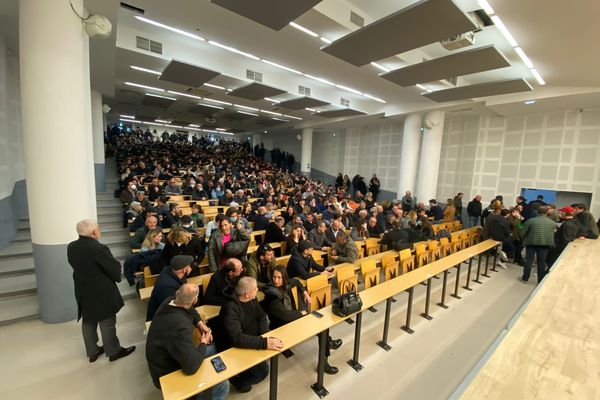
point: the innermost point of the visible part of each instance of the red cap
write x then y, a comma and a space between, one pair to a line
567, 210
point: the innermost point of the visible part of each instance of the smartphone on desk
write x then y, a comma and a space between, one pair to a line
218, 364
317, 314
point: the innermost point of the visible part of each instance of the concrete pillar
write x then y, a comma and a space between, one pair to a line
55, 102
431, 149
409, 157
256, 140
306, 157
98, 141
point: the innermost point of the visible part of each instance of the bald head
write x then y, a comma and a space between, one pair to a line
186, 295
88, 227
245, 288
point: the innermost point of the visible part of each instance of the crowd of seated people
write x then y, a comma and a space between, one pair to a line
295, 212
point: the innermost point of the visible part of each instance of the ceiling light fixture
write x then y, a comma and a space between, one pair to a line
381, 67
530, 102
246, 107
144, 86
161, 97
130, 120
326, 40
247, 113
272, 100
218, 101
524, 57
498, 22
184, 94
194, 126
303, 29
152, 123
486, 7
374, 98
150, 71
316, 78
222, 129
311, 109
537, 76
174, 126
170, 28
233, 50
281, 66
291, 116
280, 119
162, 121
270, 112
127, 116
348, 89
210, 105
214, 86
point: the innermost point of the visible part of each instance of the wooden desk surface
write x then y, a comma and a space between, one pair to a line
553, 349
177, 385
146, 292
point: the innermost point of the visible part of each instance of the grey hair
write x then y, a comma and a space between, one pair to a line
244, 285
186, 294
85, 227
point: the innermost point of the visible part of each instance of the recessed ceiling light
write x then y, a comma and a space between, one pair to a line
194, 126
272, 100
524, 57
150, 71
217, 101
498, 22
170, 28
162, 121
129, 120
326, 40
211, 106
281, 66
222, 129
185, 94
270, 112
144, 86
530, 102
127, 116
214, 86
348, 89
291, 116
381, 67
246, 107
280, 119
486, 7
161, 97
233, 50
247, 113
537, 76
303, 29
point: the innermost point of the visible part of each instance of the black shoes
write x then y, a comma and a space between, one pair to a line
243, 389
124, 352
97, 354
330, 369
335, 344
522, 280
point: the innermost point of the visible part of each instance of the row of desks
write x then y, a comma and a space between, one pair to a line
177, 385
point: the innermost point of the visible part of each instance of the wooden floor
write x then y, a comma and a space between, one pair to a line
553, 349
41, 361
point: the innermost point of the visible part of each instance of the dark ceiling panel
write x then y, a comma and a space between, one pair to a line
480, 90
198, 109
145, 118
417, 25
187, 74
238, 117
256, 91
456, 64
274, 14
180, 123
159, 102
344, 112
302, 102
269, 122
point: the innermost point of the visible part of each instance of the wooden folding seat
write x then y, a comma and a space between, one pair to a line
149, 279
346, 277
320, 297
407, 261
370, 273
434, 250
205, 281
421, 254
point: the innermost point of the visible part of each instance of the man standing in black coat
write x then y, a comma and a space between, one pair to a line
96, 273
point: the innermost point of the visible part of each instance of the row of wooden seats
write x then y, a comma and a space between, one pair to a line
453, 226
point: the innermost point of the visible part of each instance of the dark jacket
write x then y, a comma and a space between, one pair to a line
274, 234
218, 283
331, 235
397, 239
280, 306
298, 266
138, 238
95, 273
170, 345
215, 247
320, 240
194, 248
262, 273
497, 228
538, 231
260, 222
586, 220
568, 231
241, 324
166, 285
436, 212
474, 208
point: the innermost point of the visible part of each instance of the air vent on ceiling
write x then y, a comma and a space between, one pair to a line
453, 80
304, 90
344, 102
132, 8
357, 19
253, 75
148, 45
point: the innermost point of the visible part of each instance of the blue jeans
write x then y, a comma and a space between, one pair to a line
220, 391
473, 221
540, 253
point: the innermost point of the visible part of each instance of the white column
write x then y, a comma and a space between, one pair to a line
411, 137
430, 156
55, 101
98, 141
306, 157
256, 140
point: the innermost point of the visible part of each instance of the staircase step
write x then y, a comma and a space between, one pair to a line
18, 308
17, 285
16, 250
16, 266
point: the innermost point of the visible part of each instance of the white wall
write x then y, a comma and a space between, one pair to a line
557, 151
328, 151
285, 141
12, 164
